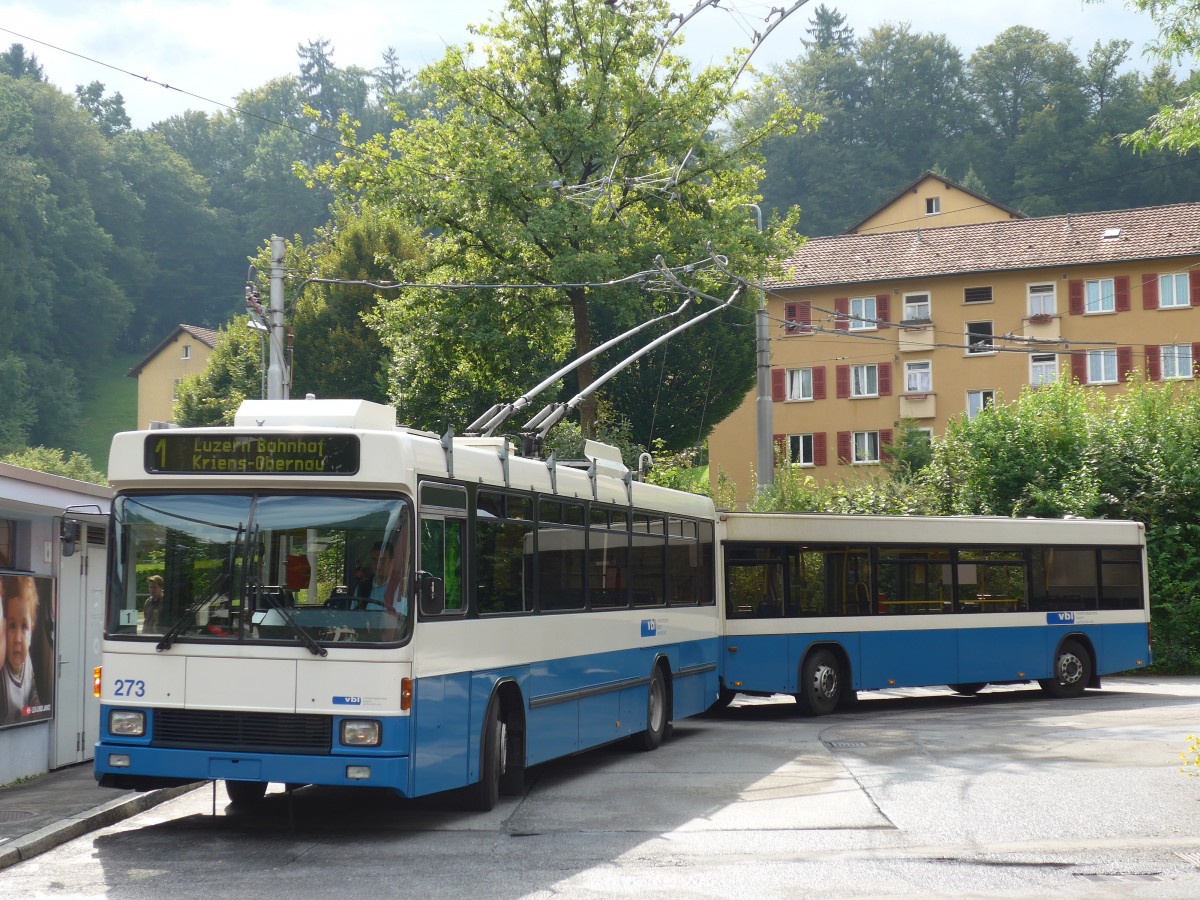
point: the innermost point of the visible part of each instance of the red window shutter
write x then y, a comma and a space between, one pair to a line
1075, 296
1195, 356
804, 317
818, 382
777, 394
885, 443
844, 447
789, 313
781, 448
1121, 289
1150, 291
885, 379
1079, 367
883, 310
1124, 363
841, 306
1194, 286
820, 453
842, 376
1153, 363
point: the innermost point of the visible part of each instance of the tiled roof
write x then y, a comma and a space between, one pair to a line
1150, 232
206, 336
1015, 213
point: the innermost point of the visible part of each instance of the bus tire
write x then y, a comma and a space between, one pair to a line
970, 689
820, 684
1072, 671
245, 793
483, 795
657, 713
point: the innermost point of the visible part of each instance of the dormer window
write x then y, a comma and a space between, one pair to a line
933, 206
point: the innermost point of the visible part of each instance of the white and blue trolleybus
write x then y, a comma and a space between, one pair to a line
317, 596
823, 606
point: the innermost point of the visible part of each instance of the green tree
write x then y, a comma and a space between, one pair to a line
15, 64
56, 462
107, 112
557, 155
233, 374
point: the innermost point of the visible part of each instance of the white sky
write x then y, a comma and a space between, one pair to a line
218, 48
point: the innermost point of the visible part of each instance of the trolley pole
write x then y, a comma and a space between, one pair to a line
277, 382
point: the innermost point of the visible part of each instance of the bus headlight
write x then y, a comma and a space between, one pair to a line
127, 722
360, 732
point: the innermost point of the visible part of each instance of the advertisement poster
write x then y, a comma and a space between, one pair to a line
27, 649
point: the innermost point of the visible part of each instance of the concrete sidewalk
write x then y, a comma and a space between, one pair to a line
51, 809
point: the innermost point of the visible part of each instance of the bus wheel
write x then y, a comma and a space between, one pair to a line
656, 713
820, 684
483, 795
1072, 672
245, 793
970, 689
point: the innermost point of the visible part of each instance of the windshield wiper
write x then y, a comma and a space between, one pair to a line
220, 584
272, 597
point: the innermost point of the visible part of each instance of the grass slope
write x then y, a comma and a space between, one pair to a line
113, 408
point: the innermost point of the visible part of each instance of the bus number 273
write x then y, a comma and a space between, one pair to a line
129, 687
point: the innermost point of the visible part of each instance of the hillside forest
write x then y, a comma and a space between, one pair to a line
110, 236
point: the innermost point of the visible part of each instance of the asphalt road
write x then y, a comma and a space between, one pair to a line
914, 793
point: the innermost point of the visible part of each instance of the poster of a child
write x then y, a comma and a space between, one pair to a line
18, 683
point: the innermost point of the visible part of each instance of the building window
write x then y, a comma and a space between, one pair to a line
977, 295
175, 390
1102, 366
916, 308
1173, 291
864, 381
1041, 299
1043, 369
866, 448
799, 384
1177, 361
933, 206
800, 450
862, 314
979, 337
8, 543
187, 351
1099, 296
918, 377
977, 401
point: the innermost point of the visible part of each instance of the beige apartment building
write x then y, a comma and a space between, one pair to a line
930, 321
185, 351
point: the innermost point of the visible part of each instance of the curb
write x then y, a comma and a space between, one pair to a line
50, 836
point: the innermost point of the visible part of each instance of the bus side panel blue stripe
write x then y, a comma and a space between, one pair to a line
441, 738
759, 662
1124, 648
892, 659
1002, 654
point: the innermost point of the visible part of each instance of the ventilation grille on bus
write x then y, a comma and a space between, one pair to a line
261, 732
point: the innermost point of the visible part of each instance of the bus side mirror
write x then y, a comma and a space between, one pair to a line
432, 592
68, 534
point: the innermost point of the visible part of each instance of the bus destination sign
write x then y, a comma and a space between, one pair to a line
251, 454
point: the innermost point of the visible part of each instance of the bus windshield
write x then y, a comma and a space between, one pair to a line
305, 569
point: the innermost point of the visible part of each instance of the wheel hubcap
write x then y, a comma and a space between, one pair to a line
1070, 669
825, 683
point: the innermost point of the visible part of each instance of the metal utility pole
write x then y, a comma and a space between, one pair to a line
762, 341
278, 387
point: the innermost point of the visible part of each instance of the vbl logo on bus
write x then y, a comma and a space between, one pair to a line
1060, 618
